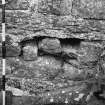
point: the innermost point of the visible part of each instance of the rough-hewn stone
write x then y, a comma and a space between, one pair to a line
57, 7
72, 73
51, 46
92, 52
17, 4
85, 8
30, 52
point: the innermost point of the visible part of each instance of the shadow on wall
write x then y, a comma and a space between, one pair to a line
72, 41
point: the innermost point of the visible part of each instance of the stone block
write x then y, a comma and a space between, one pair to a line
30, 52
72, 73
17, 5
91, 52
51, 46
89, 9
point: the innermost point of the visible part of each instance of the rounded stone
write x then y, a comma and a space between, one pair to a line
51, 46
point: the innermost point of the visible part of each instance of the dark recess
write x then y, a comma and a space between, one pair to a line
71, 41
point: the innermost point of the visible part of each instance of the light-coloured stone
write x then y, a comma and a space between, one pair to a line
51, 46
17, 92
30, 52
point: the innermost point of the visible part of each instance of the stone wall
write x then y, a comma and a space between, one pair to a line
55, 51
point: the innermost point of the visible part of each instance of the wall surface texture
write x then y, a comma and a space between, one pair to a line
55, 52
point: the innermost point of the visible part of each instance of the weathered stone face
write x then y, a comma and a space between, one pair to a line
71, 72
50, 45
56, 7
41, 67
91, 52
55, 50
30, 52
89, 9
17, 4
75, 24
